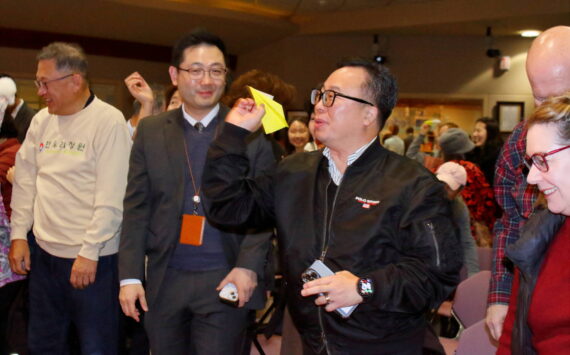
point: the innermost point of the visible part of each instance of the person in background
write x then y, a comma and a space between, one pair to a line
488, 143
455, 178
393, 142
538, 317
313, 144
298, 135
11, 287
17, 108
71, 174
477, 193
172, 98
548, 71
9, 146
147, 101
434, 160
408, 139
282, 92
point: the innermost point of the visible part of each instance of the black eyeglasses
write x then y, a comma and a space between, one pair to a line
539, 159
43, 84
197, 73
328, 97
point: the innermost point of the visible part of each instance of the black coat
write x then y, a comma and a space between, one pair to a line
528, 253
404, 239
22, 121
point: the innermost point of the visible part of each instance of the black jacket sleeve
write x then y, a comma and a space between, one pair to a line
231, 197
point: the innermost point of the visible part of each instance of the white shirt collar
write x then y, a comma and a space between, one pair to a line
17, 109
335, 174
206, 120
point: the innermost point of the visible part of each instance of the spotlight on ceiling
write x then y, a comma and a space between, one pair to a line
378, 58
530, 33
491, 52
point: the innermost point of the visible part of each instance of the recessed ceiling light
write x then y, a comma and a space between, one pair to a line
530, 33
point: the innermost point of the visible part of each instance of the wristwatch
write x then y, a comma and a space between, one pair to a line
365, 288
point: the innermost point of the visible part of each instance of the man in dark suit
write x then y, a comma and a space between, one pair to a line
20, 112
187, 262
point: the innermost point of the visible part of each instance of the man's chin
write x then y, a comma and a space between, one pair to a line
207, 103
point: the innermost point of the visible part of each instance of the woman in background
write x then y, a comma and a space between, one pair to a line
9, 146
271, 84
477, 193
488, 143
313, 144
298, 135
172, 98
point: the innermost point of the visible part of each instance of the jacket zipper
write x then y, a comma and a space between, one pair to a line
431, 230
326, 240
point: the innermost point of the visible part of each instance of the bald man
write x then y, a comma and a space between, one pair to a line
548, 70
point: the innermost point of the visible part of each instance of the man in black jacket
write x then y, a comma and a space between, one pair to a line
375, 218
19, 111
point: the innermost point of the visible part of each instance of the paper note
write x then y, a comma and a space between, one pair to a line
274, 118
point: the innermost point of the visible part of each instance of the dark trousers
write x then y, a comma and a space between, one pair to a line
55, 305
188, 318
13, 319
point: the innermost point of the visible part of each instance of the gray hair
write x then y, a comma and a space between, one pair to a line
67, 56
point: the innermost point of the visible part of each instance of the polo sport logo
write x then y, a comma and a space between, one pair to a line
41, 147
366, 203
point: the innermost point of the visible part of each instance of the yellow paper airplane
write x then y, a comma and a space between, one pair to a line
274, 118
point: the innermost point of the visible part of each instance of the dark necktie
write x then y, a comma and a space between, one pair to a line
199, 127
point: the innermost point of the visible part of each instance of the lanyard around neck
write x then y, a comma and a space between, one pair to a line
196, 198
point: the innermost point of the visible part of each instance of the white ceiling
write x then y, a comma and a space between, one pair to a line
250, 24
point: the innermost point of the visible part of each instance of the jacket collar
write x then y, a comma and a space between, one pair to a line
373, 153
529, 250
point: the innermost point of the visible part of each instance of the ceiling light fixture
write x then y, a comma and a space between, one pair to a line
530, 33
491, 52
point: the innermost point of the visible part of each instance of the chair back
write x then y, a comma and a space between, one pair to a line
476, 340
470, 302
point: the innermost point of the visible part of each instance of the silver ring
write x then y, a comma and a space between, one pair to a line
327, 298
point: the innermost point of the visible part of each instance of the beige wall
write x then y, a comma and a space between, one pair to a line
104, 71
424, 65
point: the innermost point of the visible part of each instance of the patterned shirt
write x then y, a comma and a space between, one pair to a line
478, 196
6, 274
516, 198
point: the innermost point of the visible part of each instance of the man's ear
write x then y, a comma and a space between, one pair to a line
173, 71
78, 81
371, 116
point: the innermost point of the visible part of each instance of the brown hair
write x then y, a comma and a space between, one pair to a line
282, 92
554, 110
